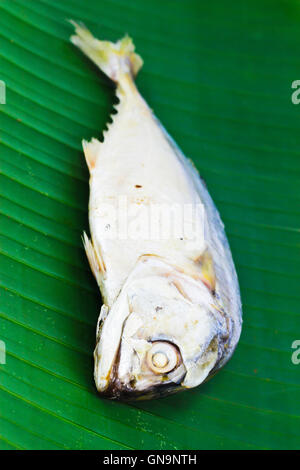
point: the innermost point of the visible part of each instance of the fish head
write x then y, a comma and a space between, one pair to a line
162, 334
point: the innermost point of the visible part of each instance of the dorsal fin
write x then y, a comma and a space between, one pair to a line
91, 151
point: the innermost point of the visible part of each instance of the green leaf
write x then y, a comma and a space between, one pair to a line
218, 75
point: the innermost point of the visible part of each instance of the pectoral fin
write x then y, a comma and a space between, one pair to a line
208, 274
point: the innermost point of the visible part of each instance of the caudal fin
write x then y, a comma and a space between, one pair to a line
114, 59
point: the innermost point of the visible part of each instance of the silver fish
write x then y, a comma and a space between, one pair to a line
171, 314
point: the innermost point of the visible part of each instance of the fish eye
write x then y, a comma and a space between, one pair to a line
162, 357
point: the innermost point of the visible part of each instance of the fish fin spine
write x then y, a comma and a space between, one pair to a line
117, 60
95, 259
91, 152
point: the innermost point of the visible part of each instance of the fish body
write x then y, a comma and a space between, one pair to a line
171, 314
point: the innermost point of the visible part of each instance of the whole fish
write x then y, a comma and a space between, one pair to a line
171, 314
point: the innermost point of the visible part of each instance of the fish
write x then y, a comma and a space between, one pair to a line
171, 315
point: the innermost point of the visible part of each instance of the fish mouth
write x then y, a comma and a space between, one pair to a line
141, 355
159, 364
159, 375
173, 383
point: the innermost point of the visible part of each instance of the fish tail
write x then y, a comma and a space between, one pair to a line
116, 60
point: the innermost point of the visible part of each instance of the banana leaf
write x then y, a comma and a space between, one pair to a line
219, 76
